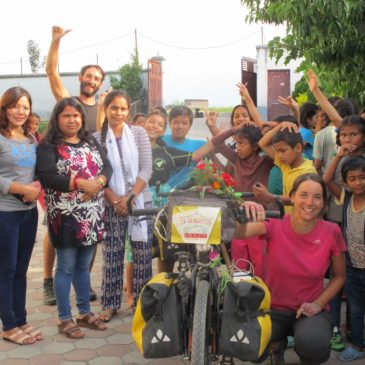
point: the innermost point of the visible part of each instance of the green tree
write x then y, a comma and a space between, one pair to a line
301, 90
329, 35
130, 79
34, 53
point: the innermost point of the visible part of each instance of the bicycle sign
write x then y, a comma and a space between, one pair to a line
196, 225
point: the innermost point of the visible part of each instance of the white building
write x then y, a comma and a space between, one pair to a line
272, 80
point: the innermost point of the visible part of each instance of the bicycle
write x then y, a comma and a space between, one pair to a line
200, 291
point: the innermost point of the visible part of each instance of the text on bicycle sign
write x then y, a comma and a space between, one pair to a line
196, 224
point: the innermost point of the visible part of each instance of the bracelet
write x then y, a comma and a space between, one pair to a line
100, 181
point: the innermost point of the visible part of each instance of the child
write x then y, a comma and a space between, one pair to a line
180, 121
351, 133
139, 119
284, 145
353, 205
249, 168
165, 160
33, 123
240, 116
308, 122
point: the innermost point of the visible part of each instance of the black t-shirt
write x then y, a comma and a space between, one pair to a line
90, 112
165, 160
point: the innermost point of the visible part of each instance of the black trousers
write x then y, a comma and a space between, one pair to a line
311, 334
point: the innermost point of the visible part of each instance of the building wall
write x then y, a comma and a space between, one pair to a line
265, 63
193, 104
38, 87
43, 101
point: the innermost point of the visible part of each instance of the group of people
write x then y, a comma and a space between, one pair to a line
95, 157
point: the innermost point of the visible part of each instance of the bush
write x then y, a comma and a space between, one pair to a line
43, 127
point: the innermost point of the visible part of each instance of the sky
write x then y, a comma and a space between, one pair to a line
202, 41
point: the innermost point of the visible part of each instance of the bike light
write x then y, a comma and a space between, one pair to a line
239, 276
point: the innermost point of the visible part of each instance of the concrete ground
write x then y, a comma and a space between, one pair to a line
111, 347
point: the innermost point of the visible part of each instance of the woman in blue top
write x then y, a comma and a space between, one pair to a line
18, 213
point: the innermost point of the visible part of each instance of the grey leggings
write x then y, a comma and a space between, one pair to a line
311, 334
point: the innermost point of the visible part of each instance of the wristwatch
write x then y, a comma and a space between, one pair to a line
277, 198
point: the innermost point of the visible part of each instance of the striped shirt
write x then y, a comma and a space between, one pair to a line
144, 157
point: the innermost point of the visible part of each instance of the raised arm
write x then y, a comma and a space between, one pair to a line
330, 173
292, 105
203, 151
54, 78
265, 142
326, 106
211, 122
246, 97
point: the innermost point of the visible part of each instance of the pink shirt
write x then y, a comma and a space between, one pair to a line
297, 263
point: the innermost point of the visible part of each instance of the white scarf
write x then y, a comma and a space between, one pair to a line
136, 229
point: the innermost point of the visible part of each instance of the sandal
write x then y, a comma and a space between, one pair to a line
70, 329
31, 331
351, 354
107, 314
128, 312
90, 320
20, 338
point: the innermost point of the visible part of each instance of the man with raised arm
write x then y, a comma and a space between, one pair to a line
91, 78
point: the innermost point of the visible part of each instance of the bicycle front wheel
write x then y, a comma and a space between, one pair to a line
200, 354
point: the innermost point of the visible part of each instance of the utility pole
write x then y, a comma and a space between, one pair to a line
262, 35
97, 58
21, 66
136, 46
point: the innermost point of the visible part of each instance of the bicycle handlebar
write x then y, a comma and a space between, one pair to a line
146, 211
238, 212
246, 194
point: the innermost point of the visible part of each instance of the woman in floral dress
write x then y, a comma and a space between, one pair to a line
73, 170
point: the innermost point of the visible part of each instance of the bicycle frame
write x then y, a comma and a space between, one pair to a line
201, 303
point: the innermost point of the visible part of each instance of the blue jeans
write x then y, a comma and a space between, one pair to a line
17, 236
73, 267
355, 288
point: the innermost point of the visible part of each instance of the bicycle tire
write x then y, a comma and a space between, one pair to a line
200, 339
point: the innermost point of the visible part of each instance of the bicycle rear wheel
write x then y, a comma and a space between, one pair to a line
200, 353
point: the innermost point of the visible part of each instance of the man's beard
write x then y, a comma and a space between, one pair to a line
83, 91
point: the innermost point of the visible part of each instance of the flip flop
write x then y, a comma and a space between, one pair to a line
351, 354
